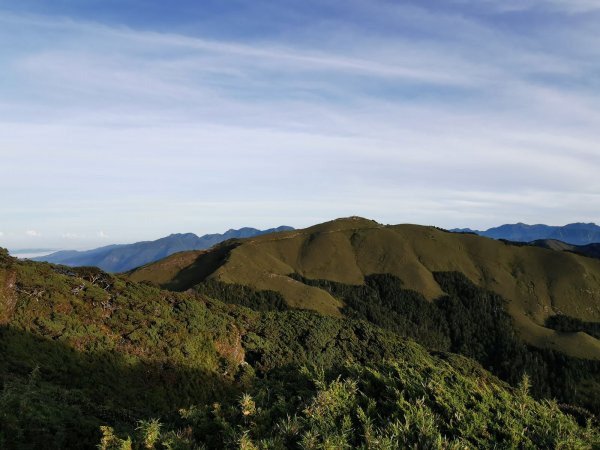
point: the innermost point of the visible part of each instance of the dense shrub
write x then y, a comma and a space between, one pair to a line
568, 324
242, 295
417, 401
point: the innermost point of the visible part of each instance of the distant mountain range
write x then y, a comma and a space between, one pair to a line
121, 258
573, 233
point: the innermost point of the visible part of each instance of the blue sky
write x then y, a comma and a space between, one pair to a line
129, 120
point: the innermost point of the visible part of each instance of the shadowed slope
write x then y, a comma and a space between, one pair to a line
181, 271
591, 250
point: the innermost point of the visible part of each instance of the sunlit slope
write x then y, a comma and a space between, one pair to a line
537, 282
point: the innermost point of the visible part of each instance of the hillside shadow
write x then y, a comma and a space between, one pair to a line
54, 396
204, 265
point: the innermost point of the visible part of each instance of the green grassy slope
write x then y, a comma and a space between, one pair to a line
81, 349
538, 283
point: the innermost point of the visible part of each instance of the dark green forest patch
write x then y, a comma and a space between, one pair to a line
568, 324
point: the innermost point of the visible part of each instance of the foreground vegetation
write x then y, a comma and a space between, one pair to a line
415, 401
93, 359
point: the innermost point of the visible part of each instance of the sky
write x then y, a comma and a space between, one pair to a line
128, 120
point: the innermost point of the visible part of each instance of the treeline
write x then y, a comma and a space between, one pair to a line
567, 324
242, 295
384, 301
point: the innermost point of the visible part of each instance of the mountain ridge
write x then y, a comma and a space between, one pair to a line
123, 257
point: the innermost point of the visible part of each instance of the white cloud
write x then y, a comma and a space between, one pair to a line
70, 236
195, 54
1, 234
33, 233
102, 235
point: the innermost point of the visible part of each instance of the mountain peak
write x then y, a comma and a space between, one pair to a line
345, 223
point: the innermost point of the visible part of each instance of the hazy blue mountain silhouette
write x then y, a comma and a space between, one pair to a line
573, 233
120, 258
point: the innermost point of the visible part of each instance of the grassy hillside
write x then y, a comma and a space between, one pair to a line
514, 308
538, 283
92, 359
